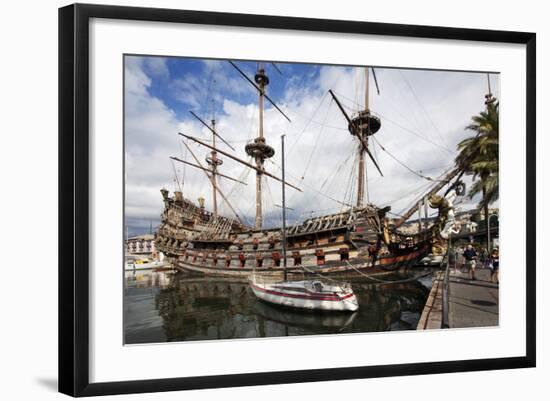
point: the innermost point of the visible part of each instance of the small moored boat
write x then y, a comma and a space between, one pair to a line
135, 263
307, 294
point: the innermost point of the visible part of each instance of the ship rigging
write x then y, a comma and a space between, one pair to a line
359, 236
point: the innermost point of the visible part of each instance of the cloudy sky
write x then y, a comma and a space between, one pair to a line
423, 113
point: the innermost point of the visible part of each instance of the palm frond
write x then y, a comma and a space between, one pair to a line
478, 155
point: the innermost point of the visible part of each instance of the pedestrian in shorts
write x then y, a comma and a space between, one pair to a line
470, 255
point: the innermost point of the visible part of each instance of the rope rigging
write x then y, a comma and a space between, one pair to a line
335, 173
352, 179
426, 187
328, 186
176, 175
309, 121
378, 114
424, 110
312, 188
403, 164
237, 190
314, 150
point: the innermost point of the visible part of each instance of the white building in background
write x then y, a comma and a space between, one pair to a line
141, 245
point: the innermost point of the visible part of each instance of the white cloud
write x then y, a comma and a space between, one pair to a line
157, 67
423, 116
196, 90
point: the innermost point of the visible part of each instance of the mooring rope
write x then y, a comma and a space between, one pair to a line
387, 281
318, 274
366, 276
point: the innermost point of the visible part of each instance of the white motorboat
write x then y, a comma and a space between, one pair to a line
142, 264
307, 294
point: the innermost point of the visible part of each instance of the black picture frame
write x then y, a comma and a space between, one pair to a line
74, 198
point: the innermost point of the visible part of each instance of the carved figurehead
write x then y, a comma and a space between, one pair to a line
447, 223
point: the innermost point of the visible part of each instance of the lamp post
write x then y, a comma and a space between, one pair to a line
489, 232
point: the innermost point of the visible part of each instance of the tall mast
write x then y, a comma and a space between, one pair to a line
259, 149
262, 83
214, 168
361, 150
283, 237
367, 88
362, 125
214, 162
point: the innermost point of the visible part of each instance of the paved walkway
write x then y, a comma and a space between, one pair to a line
432, 313
472, 303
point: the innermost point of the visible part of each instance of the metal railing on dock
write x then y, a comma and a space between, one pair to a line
446, 290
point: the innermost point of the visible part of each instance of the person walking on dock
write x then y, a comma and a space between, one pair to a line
470, 255
484, 258
494, 265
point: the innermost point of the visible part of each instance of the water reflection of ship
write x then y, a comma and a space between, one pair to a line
202, 287
199, 308
392, 306
304, 319
413, 288
193, 308
149, 278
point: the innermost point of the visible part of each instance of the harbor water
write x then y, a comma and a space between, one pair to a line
168, 306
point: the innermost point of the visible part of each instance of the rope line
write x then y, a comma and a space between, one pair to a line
424, 110
309, 121
351, 109
401, 163
310, 187
387, 281
319, 274
366, 276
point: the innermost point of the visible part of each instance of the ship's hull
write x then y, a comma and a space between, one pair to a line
354, 241
355, 266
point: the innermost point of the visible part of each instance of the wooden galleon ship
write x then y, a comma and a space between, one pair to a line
360, 239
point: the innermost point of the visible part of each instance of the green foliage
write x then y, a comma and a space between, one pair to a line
478, 155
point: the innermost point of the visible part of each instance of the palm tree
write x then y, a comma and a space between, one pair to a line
479, 157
